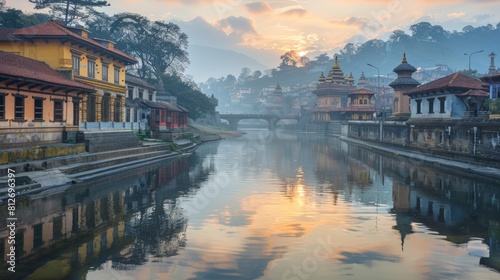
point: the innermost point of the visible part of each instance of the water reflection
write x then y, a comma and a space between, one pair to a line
126, 220
268, 206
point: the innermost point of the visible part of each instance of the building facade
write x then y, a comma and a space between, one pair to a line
37, 104
93, 62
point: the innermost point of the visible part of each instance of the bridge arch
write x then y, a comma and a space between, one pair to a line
272, 120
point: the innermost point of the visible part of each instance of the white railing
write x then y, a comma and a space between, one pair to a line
134, 126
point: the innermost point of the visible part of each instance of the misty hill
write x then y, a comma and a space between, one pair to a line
209, 62
427, 46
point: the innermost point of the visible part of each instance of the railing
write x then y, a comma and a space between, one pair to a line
135, 126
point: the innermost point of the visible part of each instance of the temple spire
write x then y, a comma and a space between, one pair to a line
404, 58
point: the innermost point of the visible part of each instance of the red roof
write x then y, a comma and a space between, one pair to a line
53, 29
494, 78
362, 91
475, 92
456, 80
22, 68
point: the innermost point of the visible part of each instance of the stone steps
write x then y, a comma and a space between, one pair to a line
101, 141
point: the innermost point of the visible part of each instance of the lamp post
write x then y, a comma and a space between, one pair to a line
381, 129
471, 55
378, 80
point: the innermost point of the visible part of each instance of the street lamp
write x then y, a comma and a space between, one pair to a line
471, 55
378, 79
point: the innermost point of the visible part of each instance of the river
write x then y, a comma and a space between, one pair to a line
268, 205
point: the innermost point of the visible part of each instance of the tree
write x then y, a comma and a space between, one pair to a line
13, 18
289, 60
322, 58
424, 31
189, 95
245, 73
256, 74
399, 36
70, 10
159, 46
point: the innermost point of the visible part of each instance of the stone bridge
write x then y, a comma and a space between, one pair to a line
272, 120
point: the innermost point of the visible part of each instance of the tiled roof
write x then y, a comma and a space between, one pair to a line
494, 78
160, 105
456, 80
362, 91
475, 92
6, 34
53, 29
134, 80
22, 68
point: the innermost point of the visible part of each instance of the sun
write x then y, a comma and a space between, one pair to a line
302, 53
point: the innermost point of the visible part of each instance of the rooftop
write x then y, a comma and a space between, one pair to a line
29, 70
54, 30
456, 80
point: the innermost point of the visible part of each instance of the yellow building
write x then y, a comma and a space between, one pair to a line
93, 62
38, 105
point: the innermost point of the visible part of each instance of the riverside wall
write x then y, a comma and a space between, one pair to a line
469, 140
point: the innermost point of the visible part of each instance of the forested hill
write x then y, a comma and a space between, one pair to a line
425, 45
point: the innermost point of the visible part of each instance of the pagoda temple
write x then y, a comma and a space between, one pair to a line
404, 82
332, 92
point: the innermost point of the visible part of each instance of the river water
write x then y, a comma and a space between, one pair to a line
268, 205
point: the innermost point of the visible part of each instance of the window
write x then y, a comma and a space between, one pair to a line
105, 69
2, 106
117, 113
141, 94
442, 104
117, 75
151, 96
58, 110
76, 65
431, 105
494, 90
91, 69
419, 106
105, 108
130, 93
38, 109
19, 108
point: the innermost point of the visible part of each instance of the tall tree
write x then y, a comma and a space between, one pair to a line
159, 46
70, 10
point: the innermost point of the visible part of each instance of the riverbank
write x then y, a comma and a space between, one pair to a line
209, 133
62, 171
444, 163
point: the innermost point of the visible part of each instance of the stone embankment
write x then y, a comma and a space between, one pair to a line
440, 162
46, 171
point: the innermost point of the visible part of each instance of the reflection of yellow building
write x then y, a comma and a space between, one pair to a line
89, 61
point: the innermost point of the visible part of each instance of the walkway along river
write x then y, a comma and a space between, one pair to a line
268, 205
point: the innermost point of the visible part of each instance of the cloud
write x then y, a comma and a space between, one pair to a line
298, 12
351, 21
456, 15
258, 7
238, 25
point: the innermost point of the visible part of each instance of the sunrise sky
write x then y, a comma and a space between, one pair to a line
266, 29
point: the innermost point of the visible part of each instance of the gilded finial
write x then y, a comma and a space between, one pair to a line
404, 58
336, 64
